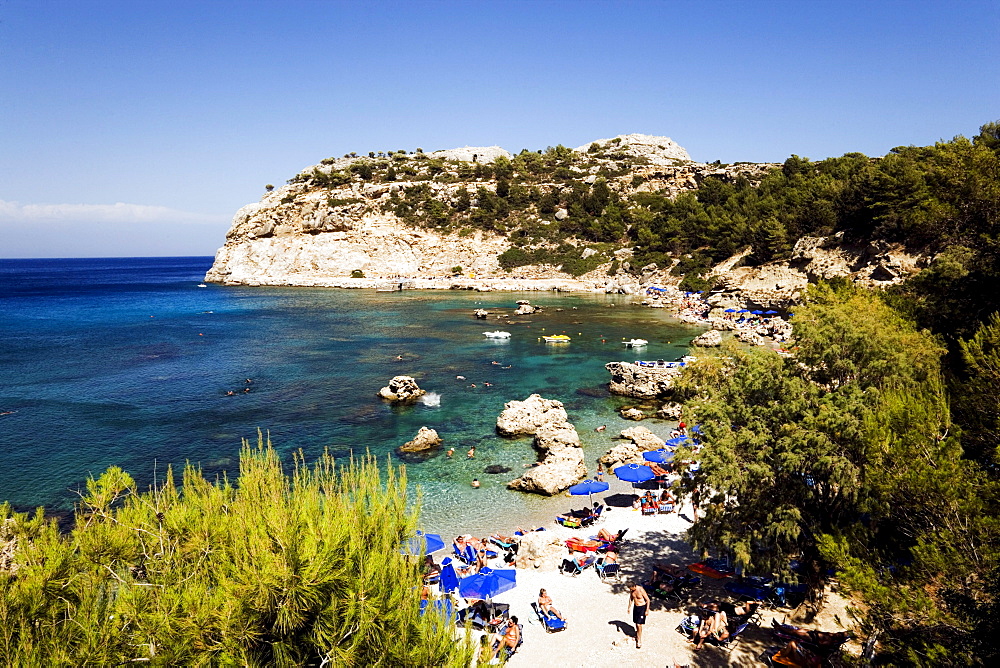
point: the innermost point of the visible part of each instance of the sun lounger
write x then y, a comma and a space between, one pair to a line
607, 570
576, 567
582, 545
550, 622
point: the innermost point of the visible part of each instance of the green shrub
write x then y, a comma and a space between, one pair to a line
357, 273
280, 569
456, 270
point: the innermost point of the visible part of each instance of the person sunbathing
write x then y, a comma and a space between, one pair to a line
511, 638
715, 627
607, 536
818, 638
545, 604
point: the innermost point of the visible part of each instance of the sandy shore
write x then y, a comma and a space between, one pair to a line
599, 629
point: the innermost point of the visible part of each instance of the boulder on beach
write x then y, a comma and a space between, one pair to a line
637, 441
631, 380
401, 389
710, 338
426, 439
540, 549
563, 463
525, 417
525, 309
481, 313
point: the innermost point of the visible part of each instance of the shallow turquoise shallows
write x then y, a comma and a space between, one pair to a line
128, 362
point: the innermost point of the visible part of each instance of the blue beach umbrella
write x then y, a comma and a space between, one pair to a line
429, 543
449, 578
487, 583
588, 487
443, 606
634, 473
696, 429
770, 313
756, 313
744, 310
660, 456
731, 310
679, 440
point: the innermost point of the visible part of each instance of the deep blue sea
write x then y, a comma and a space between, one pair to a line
127, 362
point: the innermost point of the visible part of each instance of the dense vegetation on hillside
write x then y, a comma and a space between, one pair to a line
929, 198
847, 460
284, 570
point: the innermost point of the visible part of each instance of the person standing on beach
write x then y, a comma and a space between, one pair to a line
638, 598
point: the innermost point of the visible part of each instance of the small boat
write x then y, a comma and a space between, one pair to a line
635, 343
557, 338
202, 285
497, 335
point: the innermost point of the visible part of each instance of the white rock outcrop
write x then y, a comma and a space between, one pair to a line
519, 418
426, 439
631, 380
709, 339
562, 465
401, 389
638, 440
658, 150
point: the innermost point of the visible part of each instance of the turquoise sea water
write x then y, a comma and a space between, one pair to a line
127, 362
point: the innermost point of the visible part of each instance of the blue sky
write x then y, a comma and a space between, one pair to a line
139, 127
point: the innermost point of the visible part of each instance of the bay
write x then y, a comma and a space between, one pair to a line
127, 362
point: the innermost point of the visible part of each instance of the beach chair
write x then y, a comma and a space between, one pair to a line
607, 570
648, 509
508, 652
550, 622
569, 522
734, 637
482, 615
574, 567
613, 544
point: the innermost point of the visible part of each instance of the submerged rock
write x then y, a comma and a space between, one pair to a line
401, 389
482, 314
526, 417
426, 439
497, 468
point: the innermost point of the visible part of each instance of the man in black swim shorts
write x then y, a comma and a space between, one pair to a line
640, 599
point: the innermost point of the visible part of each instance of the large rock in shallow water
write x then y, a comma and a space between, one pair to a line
401, 389
563, 463
710, 338
426, 439
525, 417
631, 380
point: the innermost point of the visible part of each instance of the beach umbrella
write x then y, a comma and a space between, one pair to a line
487, 583
588, 487
696, 429
449, 578
731, 310
429, 543
756, 313
660, 456
679, 440
443, 606
744, 310
770, 313
634, 473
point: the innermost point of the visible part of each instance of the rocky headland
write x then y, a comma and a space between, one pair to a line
480, 218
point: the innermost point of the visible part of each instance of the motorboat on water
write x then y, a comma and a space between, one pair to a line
556, 338
635, 343
497, 335
202, 285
